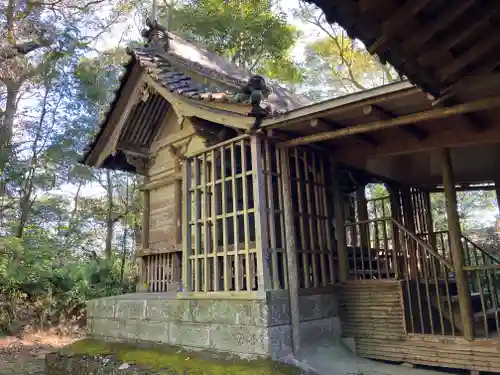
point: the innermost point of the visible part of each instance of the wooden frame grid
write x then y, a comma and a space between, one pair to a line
162, 272
220, 245
316, 255
273, 193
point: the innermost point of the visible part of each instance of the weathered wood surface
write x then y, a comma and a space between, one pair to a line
372, 313
372, 309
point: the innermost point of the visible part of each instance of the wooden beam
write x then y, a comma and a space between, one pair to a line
291, 249
457, 252
444, 46
332, 125
438, 23
343, 104
432, 114
396, 21
382, 114
472, 54
445, 135
463, 188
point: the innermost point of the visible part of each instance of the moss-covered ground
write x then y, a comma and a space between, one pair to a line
167, 360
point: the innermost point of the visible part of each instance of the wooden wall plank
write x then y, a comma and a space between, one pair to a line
372, 313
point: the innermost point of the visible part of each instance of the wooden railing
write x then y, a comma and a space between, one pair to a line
429, 287
484, 289
371, 249
384, 248
476, 255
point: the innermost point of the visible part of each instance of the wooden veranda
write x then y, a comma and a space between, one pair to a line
408, 293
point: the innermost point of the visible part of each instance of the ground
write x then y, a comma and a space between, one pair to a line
26, 355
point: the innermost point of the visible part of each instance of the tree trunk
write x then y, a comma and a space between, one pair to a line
110, 222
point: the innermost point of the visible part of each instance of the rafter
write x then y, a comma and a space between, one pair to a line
395, 21
432, 114
326, 124
438, 23
382, 114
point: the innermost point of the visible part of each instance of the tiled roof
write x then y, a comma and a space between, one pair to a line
223, 80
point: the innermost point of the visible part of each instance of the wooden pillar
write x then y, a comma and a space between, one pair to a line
142, 287
457, 253
428, 219
395, 202
261, 243
291, 249
186, 232
409, 223
338, 207
497, 192
362, 216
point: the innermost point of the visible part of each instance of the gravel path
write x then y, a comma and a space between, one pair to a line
26, 355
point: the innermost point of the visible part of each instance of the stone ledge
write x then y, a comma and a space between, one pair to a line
90, 357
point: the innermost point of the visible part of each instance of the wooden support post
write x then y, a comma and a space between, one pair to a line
409, 223
186, 232
291, 249
338, 207
178, 204
497, 191
142, 287
428, 218
362, 216
395, 202
261, 243
456, 244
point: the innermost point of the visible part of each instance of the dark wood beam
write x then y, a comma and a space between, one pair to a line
381, 114
432, 114
327, 125
450, 14
458, 135
396, 21
443, 47
472, 54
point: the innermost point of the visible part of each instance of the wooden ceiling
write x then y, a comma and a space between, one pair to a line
436, 44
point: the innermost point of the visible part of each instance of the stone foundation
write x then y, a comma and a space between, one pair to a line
244, 327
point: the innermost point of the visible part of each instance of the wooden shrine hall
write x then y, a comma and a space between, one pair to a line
255, 197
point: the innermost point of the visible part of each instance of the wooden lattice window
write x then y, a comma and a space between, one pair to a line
313, 218
162, 272
220, 230
273, 193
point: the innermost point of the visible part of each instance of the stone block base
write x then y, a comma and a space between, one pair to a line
259, 328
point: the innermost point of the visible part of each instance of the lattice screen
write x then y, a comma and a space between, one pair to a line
221, 219
313, 218
162, 272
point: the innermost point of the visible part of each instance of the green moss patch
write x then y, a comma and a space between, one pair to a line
168, 360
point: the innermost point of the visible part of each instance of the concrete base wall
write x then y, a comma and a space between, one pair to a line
245, 327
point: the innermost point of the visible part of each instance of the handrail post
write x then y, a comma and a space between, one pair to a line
456, 244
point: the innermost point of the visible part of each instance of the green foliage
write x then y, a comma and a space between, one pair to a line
252, 34
43, 285
336, 64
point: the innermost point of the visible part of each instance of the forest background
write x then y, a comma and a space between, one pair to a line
69, 233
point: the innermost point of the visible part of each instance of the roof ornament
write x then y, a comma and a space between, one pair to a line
256, 90
155, 34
